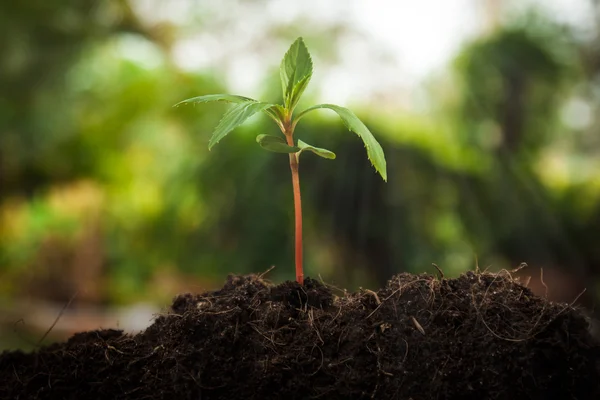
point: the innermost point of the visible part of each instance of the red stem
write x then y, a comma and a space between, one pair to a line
297, 206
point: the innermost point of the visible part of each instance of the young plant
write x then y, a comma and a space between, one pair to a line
295, 70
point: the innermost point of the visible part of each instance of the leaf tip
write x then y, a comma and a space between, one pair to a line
383, 175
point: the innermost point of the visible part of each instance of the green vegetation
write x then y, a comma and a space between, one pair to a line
107, 190
296, 70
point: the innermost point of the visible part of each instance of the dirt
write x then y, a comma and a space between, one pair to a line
480, 336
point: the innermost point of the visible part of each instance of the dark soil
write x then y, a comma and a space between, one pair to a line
481, 336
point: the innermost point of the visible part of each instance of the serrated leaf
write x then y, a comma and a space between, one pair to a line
234, 117
229, 98
317, 150
295, 72
279, 111
275, 144
297, 91
277, 114
352, 122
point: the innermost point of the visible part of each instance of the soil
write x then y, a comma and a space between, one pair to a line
479, 336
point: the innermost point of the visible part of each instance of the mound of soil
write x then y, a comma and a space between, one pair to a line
480, 336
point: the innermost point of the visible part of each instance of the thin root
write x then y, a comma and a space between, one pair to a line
441, 273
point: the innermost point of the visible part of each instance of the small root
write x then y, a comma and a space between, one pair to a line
266, 272
418, 325
520, 267
439, 270
544, 283
372, 293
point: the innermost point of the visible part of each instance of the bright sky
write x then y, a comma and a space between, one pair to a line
424, 34
421, 34
420, 38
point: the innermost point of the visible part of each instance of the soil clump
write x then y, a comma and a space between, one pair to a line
479, 336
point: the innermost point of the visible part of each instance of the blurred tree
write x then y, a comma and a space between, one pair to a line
512, 82
40, 41
111, 171
514, 85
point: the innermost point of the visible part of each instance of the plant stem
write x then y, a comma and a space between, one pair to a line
294, 166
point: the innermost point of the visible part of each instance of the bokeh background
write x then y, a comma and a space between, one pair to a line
111, 203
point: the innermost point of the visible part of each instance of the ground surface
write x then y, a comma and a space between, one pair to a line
481, 336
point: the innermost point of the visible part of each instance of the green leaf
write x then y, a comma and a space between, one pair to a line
297, 91
279, 111
234, 117
229, 98
317, 150
275, 144
295, 71
374, 150
277, 114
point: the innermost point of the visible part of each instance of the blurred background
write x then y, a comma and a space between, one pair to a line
111, 204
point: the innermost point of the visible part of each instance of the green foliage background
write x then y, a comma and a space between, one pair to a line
106, 187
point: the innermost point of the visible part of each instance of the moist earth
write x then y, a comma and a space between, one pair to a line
479, 336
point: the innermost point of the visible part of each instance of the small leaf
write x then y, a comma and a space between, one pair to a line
295, 71
277, 114
275, 144
230, 98
374, 150
234, 117
317, 150
279, 111
297, 91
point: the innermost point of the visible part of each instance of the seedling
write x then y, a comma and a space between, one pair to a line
295, 70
